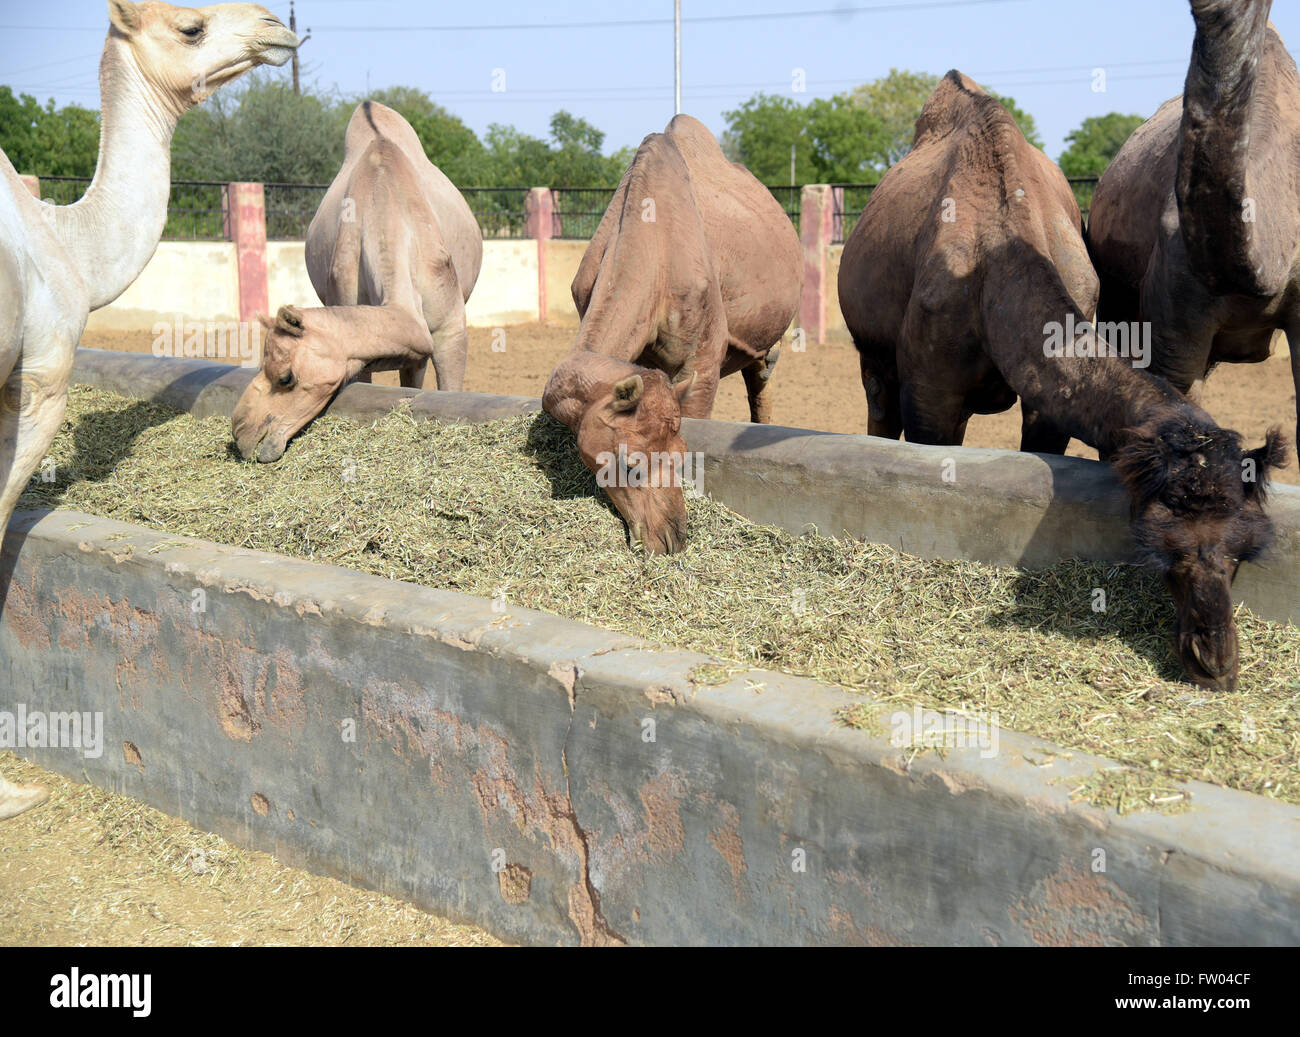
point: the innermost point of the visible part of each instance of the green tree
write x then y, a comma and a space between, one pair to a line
760, 134
260, 131
1094, 145
48, 141
897, 99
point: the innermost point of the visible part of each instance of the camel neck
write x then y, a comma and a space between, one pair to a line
113, 231
1214, 184
1062, 368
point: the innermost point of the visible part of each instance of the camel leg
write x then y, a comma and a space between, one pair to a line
449, 352
1293, 343
932, 419
884, 410
412, 376
14, 799
1040, 436
758, 383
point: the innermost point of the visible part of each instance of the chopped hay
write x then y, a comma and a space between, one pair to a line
506, 510
90, 868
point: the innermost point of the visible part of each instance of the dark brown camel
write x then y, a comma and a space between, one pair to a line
1195, 227
966, 284
694, 273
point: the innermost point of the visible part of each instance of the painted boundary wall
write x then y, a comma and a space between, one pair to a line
520, 281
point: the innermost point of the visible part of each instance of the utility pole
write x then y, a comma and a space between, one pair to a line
293, 28
677, 49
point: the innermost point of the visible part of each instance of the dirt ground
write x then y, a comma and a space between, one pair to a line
821, 388
91, 869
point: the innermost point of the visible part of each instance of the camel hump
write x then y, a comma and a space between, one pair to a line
373, 120
688, 134
959, 101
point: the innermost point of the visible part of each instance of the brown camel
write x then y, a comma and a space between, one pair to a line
1195, 227
966, 284
393, 252
694, 273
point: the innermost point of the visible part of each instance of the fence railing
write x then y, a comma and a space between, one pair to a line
197, 208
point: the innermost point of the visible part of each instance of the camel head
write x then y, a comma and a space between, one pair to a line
308, 355
1197, 501
629, 433
185, 53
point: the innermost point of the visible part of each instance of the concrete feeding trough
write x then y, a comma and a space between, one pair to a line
554, 782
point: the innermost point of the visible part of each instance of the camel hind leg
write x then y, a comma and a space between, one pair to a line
758, 384
1040, 436
884, 402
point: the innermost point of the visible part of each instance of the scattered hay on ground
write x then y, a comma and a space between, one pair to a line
89, 868
507, 510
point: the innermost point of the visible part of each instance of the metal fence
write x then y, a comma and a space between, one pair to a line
197, 208
578, 210
289, 209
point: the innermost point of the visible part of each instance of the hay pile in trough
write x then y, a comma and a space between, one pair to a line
507, 509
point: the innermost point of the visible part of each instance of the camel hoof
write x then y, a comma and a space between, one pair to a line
16, 799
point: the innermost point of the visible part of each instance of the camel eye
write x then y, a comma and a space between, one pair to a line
286, 379
192, 32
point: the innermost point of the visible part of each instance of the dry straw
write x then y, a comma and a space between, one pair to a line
507, 509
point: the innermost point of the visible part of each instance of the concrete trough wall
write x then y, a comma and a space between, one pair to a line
556, 783
994, 506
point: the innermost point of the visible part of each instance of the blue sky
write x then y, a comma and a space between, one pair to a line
1042, 52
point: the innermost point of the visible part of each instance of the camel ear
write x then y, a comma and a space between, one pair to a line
1142, 465
683, 389
1256, 464
289, 321
627, 393
266, 322
125, 17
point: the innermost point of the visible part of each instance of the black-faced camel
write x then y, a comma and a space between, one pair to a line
1195, 227
57, 263
393, 252
957, 283
695, 273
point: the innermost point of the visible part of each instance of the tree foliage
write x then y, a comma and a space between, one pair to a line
850, 138
1094, 145
48, 140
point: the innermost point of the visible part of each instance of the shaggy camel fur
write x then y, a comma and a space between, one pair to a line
966, 284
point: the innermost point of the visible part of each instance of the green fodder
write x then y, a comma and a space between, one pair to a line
507, 510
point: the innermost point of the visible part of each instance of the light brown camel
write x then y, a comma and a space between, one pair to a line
966, 283
393, 252
694, 273
1195, 227
57, 263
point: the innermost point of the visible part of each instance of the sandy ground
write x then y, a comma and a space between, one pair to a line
821, 388
93, 869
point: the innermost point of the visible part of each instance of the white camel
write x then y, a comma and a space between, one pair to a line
57, 263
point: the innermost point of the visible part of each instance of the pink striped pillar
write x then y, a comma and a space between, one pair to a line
246, 206
539, 222
32, 183
816, 219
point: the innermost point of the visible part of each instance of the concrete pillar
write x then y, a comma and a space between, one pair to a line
246, 207
32, 183
816, 219
539, 217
